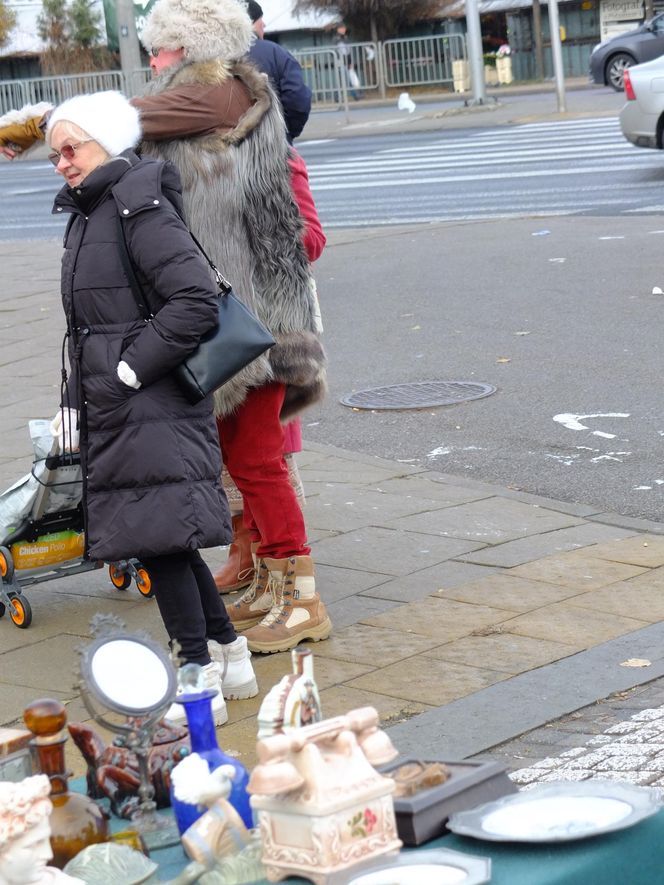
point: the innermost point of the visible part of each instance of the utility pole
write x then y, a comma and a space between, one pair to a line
130, 53
537, 40
557, 54
475, 54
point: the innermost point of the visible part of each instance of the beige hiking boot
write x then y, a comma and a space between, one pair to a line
298, 613
255, 602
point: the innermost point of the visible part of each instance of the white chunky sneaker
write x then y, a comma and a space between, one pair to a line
238, 680
211, 679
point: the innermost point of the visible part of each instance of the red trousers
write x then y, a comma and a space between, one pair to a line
252, 445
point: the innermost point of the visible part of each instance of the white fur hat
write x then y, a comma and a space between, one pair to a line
205, 29
107, 117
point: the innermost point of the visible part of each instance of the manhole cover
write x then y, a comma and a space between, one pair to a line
418, 395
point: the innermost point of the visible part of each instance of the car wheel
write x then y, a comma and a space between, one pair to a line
615, 69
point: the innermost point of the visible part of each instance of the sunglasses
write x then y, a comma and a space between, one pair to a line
68, 151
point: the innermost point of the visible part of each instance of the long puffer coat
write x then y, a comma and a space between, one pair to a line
151, 460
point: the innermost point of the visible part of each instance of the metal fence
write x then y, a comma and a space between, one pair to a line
323, 75
334, 74
422, 61
16, 93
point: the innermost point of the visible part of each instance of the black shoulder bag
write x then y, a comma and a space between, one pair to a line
237, 340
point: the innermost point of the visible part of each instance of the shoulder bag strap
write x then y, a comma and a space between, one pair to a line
128, 266
222, 282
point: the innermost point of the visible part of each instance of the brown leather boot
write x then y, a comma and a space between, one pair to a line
255, 602
238, 570
298, 613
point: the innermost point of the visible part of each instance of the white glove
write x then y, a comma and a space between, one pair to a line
64, 428
127, 375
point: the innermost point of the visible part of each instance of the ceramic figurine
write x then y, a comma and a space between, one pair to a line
25, 848
220, 830
294, 701
321, 805
76, 821
113, 770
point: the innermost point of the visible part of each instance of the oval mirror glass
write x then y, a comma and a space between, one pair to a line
130, 676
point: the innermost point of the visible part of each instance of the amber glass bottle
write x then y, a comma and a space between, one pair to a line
76, 821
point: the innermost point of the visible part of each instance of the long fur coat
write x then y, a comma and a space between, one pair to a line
239, 204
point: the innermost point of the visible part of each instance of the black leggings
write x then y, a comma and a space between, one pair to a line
189, 603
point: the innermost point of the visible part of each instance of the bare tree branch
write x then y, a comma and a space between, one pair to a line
389, 16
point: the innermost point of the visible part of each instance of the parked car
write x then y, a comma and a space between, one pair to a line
609, 58
642, 117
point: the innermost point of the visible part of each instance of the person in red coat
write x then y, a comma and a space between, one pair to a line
238, 571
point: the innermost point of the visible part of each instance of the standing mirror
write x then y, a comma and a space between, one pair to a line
127, 683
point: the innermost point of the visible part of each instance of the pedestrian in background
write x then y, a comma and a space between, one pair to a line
285, 74
150, 459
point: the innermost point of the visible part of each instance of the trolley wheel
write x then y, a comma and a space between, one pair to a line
6, 565
21, 614
144, 582
3, 609
120, 579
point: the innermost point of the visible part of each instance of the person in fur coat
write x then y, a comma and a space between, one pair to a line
217, 119
239, 203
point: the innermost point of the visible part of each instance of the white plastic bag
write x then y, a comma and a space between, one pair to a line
63, 484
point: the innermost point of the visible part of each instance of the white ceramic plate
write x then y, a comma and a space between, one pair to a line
437, 866
557, 812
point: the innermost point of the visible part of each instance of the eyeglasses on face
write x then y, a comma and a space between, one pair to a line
68, 151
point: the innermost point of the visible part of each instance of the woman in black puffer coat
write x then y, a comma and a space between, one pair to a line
151, 460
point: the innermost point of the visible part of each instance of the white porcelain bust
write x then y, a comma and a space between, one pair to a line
25, 849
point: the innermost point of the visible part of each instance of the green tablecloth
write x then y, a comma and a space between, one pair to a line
634, 856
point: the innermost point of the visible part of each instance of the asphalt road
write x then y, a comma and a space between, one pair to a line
572, 166
558, 314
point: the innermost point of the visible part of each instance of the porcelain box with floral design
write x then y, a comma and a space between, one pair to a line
320, 804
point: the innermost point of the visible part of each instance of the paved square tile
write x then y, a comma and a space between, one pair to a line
646, 603
444, 619
505, 652
335, 583
643, 550
491, 521
358, 608
446, 494
344, 508
509, 592
49, 665
387, 551
339, 700
515, 553
341, 470
577, 571
375, 646
15, 698
427, 680
653, 578
422, 583
566, 623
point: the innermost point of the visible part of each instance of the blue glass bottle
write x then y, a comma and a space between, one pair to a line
203, 738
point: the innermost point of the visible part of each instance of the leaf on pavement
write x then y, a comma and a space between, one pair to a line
504, 359
636, 662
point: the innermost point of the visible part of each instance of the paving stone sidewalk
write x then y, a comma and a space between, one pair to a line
445, 592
